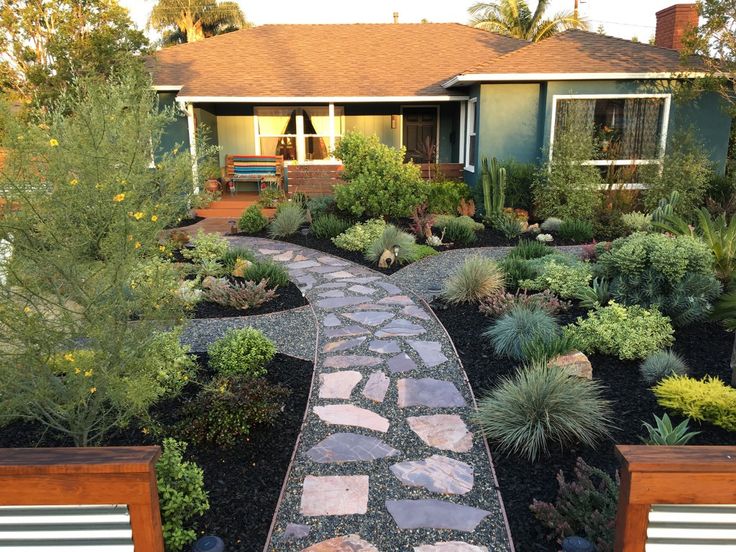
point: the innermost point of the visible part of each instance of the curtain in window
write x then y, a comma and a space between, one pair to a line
575, 115
640, 138
320, 118
273, 121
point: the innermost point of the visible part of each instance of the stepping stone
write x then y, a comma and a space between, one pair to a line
321, 269
286, 256
350, 415
429, 351
415, 312
397, 328
363, 290
344, 345
438, 474
332, 261
429, 392
384, 347
450, 546
351, 543
389, 287
396, 300
373, 307
348, 361
350, 447
346, 331
401, 363
370, 318
442, 431
334, 495
339, 275
332, 285
300, 257
294, 531
303, 264
332, 293
306, 281
435, 514
269, 251
363, 280
376, 387
331, 320
338, 385
337, 302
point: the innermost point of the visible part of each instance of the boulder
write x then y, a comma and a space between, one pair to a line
575, 363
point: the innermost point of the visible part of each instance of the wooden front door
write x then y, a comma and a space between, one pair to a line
420, 134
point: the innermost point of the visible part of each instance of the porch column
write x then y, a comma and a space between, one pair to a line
192, 127
461, 134
332, 128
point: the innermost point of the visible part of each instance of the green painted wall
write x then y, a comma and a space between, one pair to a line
177, 133
375, 119
235, 135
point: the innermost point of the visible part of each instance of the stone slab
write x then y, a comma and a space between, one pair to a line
349, 447
442, 431
429, 392
450, 546
338, 385
344, 345
401, 363
437, 474
295, 531
369, 318
331, 320
350, 543
346, 331
339, 302
349, 361
334, 495
350, 415
429, 351
435, 514
415, 312
363, 290
397, 328
384, 347
376, 387
396, 300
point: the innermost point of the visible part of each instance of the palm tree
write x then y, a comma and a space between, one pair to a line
515, 18
195, 19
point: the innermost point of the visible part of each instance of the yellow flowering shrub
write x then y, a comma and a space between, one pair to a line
708, 400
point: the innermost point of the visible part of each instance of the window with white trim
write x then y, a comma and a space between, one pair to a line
627, 131
298, 133
472, 138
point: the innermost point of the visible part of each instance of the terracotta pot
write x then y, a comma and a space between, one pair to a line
212, 185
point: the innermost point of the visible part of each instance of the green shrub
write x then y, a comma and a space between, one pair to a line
328, 226
519, 179
444, 196
320, 205
584, 507
181, 493
628, 333
506, 223
243, 352
274, 274
206, 247
500, 303
552, 224
540, 407
540, 351
516, 270
441, 221
673, 274
576, 230
706, 400
477, 279
459, 233
562, 274
514, 331
235, 294
662, 364
252, 220
377, 181
530, 249
686, 169
636, 221
236, 259
175, 366
664, 434
359, 236
391, 238
223, 413
597, 295
421, 251
287, 221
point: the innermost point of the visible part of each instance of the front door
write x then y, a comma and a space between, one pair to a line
420, 134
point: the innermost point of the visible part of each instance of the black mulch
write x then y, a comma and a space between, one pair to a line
287, 297
244, 482
183, 223
705, 347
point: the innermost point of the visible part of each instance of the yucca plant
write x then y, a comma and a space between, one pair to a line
666, 435
477, 279
542, 406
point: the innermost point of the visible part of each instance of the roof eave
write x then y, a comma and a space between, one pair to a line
318, 99
474, 78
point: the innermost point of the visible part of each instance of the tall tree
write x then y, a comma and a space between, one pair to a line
515, 18
47, 44
192, 20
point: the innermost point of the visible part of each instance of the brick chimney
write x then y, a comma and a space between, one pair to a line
673, 23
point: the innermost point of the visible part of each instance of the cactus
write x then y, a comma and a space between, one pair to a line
666, 207
493, 180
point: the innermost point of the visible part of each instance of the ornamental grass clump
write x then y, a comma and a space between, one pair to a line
629, 333
399, 245
576, 230
245, 352
528, 249
540, 407
274, 274
287, 221
328, 226
662, 364
706, 400
477, 279
514, 332
459, 233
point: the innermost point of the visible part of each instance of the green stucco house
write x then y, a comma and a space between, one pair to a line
294, 90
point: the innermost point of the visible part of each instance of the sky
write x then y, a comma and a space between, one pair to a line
622, 18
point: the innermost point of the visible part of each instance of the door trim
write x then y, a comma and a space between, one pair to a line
437, 138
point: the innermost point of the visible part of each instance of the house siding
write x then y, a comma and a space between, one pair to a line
176, 133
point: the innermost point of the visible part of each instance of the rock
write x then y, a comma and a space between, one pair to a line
442, 431
350, 543
348, 361
345, 345
401, 363
334, 495
533, 229
429, 392
435, 514
338, 302
396, 300
429, 351
376, 387
363, 290
345, 331
450, 546
349, 447
416, 312
350, 415
295, 531
370, 318
438, 474
384, 347
575, 364
400, 328
338, 385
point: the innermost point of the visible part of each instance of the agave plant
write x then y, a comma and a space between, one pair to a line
665, 434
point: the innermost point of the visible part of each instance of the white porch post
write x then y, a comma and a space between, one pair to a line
301, 153
191, 125
462, 137
332, 128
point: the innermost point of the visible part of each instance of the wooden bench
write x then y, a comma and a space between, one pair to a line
255, 168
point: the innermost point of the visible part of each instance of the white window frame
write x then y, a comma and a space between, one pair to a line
472, 131
616, 162
331, 138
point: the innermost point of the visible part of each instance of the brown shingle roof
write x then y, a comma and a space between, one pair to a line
578, 51
329, 60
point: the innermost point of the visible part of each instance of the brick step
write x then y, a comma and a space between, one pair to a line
225, 212
232, 203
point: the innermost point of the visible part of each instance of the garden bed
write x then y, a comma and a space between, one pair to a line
243, 482
287, 297
706, 347
183, 223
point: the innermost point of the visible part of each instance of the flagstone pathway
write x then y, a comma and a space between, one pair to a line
388, 460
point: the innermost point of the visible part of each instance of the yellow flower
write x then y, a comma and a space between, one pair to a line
77, 371
145, 431
92, 389
130, 238
69, 357
73, 182
185, 377
137, 245
138, 215
118, 198
154, 218
53, 142
26, 309
99, 186
162, 248
88, 373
